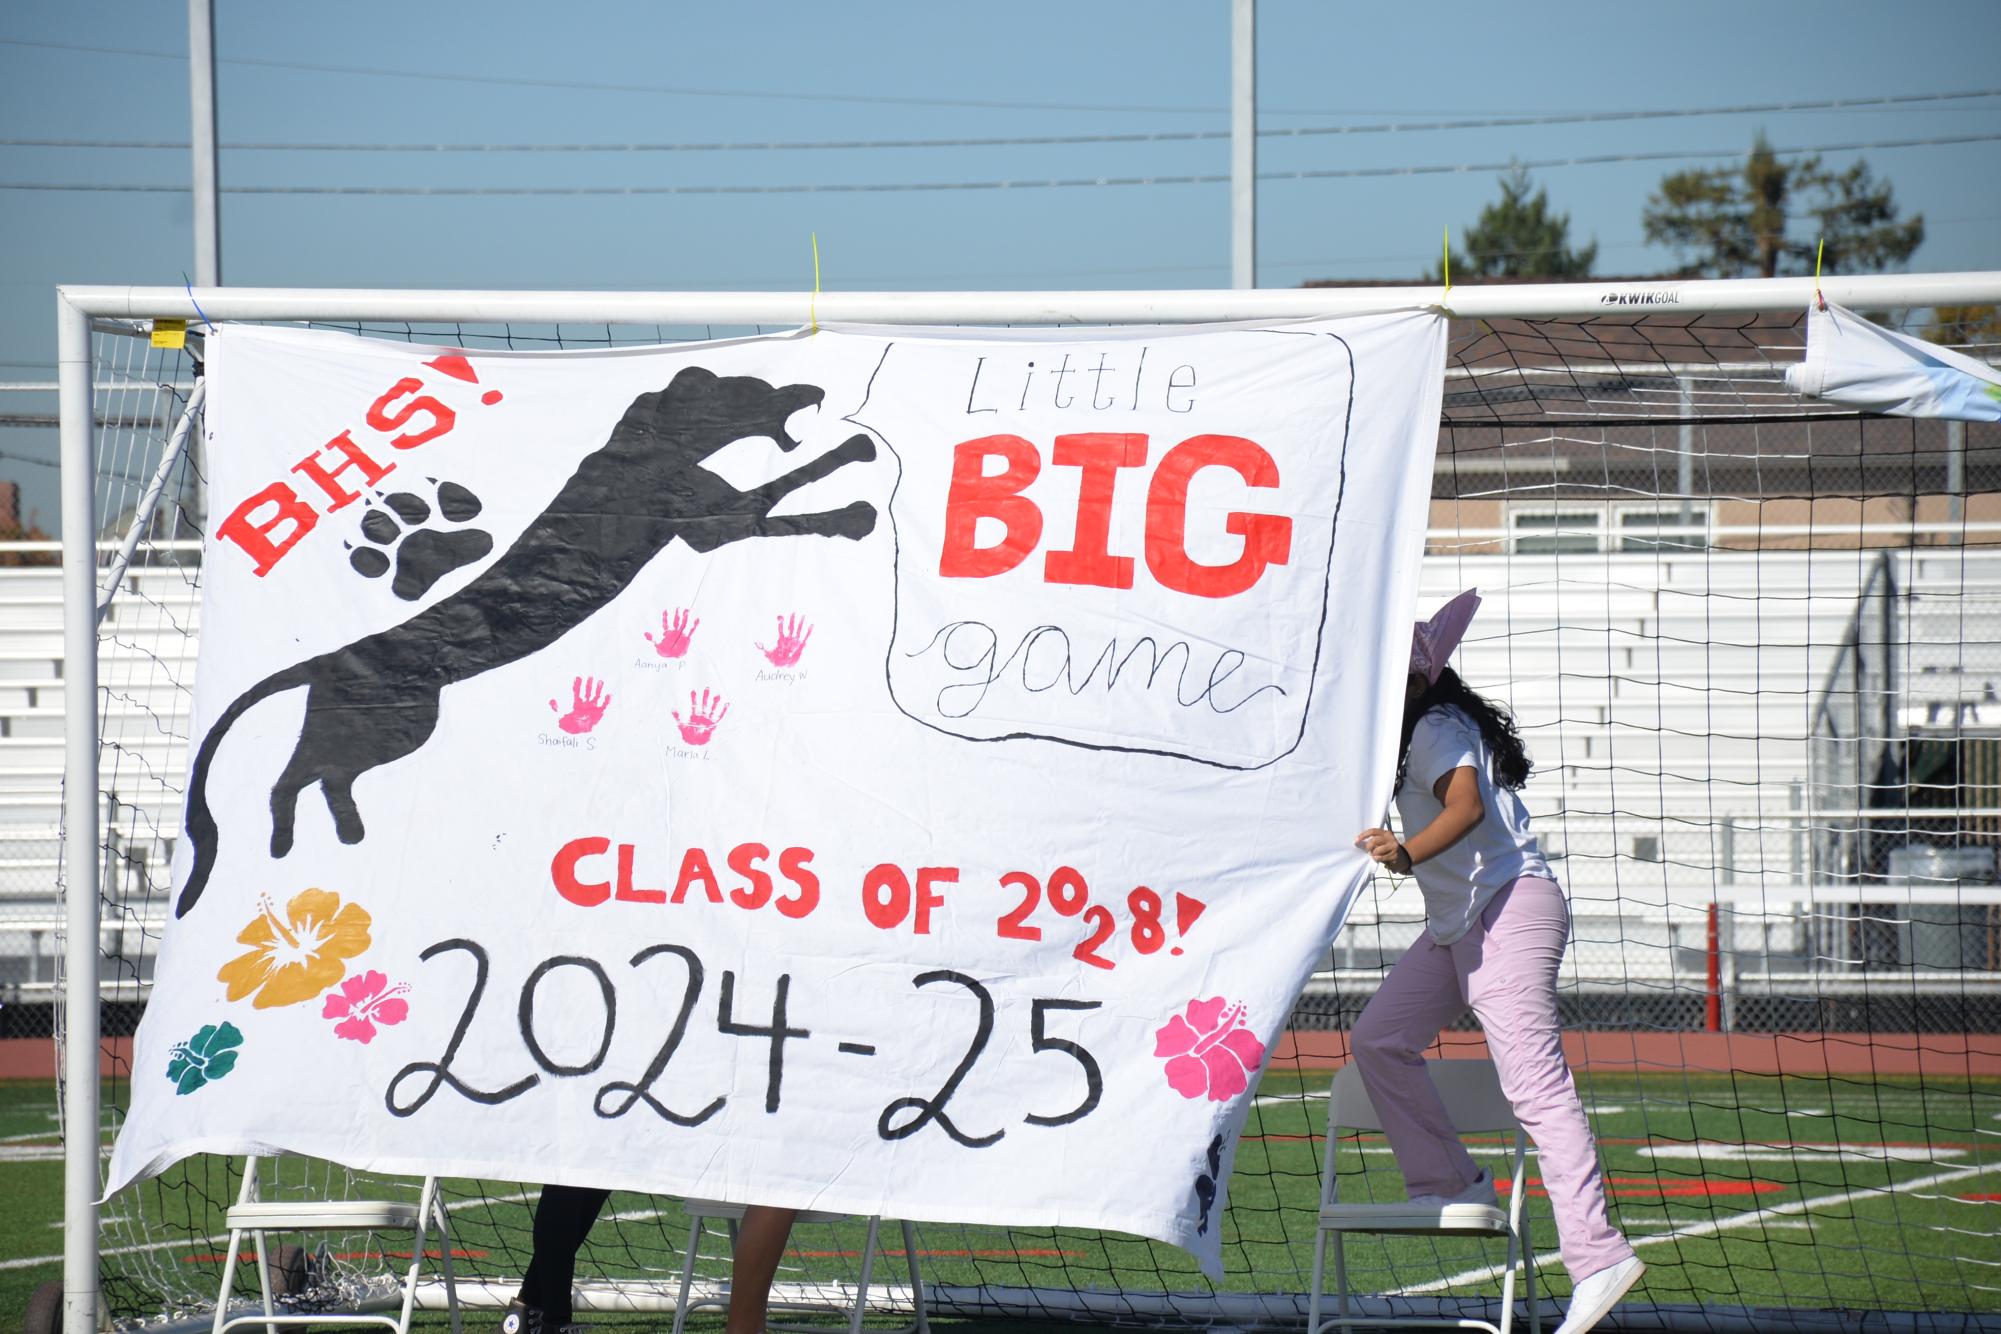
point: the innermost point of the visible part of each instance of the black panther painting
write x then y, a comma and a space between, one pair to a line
376, 700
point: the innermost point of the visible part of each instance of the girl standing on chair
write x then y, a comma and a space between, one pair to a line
1496, 925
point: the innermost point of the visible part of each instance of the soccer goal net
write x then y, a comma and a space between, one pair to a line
1753, 642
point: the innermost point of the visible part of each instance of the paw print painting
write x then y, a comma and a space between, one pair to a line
705, 714
588, 701
427, 540
792, 637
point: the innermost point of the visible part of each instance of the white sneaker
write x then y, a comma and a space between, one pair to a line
1480, 1192
1592, 1299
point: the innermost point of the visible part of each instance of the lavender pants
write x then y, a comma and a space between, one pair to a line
1505, 968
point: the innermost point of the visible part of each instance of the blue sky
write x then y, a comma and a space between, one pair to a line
512, 73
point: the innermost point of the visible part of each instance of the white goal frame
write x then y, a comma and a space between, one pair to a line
78, 306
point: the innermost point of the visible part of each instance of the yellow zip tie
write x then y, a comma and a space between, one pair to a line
1442, 300
813, 308
1817, 255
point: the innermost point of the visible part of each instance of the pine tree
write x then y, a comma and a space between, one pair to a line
1769, 217
1518, 236
1967, 325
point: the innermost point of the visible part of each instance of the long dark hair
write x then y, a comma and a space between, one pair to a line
1496, 724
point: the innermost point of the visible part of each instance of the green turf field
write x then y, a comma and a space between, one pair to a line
1841, 1193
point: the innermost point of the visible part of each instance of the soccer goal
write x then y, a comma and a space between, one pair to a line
1753, 642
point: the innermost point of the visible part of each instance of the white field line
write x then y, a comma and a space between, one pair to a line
1704, 1152
1703, 1229
1274, 1099
1302, 1098
53, 1135
1593, 1109
1845, 1105
115, 1220
31, 1261
1631, 1221
218, 1238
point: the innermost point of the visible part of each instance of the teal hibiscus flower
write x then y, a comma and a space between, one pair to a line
208, 1055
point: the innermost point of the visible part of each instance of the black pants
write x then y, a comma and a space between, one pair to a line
563, 1218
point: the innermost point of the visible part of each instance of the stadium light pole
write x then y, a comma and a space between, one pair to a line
1243, 143
207, 196
201, 93
1684, 470
1955, 472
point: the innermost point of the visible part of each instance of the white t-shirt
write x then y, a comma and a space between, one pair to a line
1461, 881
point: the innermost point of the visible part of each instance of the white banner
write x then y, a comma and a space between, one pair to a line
1851, 361
890, 771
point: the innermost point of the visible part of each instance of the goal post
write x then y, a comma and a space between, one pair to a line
1676, 396
78, 1056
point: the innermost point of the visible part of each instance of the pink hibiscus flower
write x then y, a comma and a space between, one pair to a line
1208, 1050
363, 1001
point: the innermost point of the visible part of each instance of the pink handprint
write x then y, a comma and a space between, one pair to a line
588, 703
703, 718
675, 632
791, 642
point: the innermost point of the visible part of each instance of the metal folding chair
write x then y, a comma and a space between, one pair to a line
1471, 1091
259, 1217
701, 1211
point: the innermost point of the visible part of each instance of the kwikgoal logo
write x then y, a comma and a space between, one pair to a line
1668, 298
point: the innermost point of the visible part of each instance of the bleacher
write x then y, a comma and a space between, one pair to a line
147, 661
1667, 699
1670, 708
1675, 696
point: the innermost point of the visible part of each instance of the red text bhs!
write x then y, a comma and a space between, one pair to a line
274, 520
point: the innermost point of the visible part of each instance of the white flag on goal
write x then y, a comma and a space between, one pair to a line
890, 771
1853, 362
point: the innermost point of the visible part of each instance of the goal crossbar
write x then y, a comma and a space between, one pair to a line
1505, 301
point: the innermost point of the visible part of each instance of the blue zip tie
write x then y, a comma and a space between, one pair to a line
196, 304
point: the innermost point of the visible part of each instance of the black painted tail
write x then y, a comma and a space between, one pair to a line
200, 821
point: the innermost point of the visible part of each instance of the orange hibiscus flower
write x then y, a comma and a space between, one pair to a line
298, 956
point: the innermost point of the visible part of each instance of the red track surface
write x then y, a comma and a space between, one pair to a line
1815, 1054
